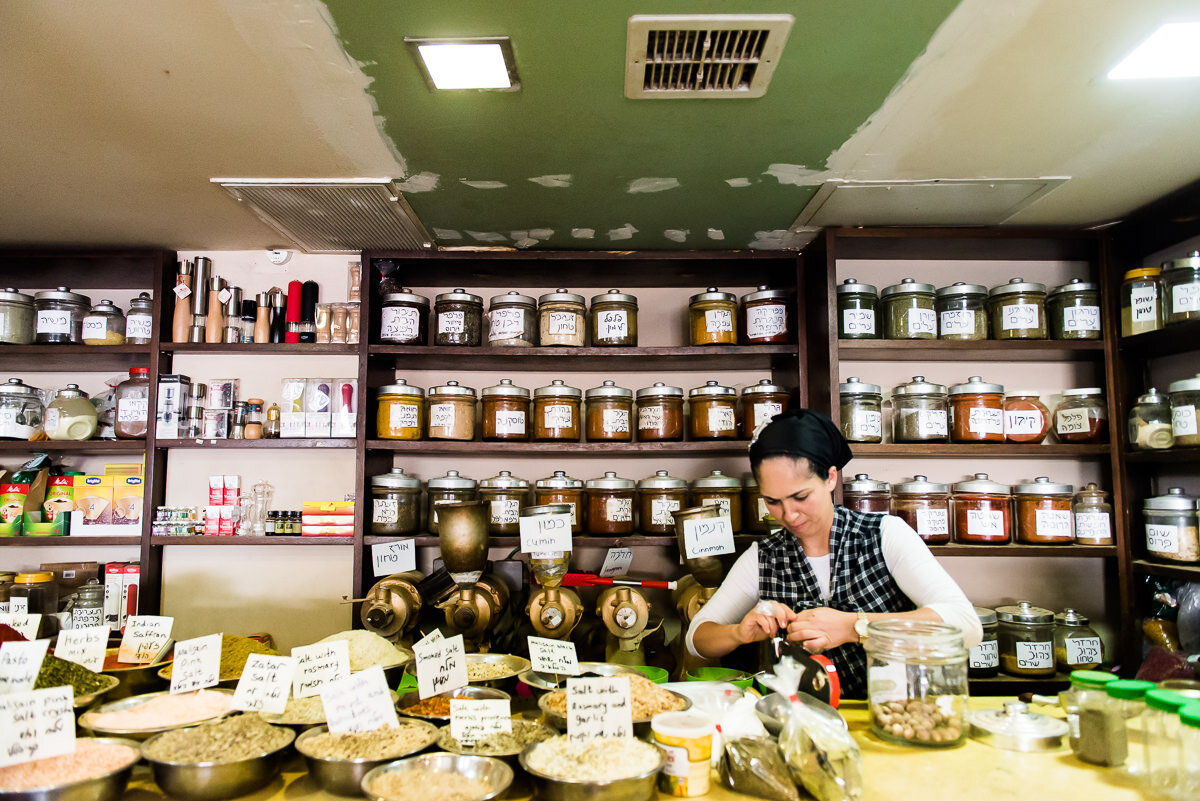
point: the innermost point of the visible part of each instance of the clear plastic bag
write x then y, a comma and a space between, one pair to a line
750, 761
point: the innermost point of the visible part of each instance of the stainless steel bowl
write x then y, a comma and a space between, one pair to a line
772, 710
546, 682
86, 720
164, 673
213, 781
106, 787
448, 743
641, 726
632, 788
492, 772
135, 679
344, 776
280, 720
513, 666
110, 683
409, 699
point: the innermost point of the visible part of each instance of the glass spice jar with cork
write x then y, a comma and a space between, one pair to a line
712, 318
505, 412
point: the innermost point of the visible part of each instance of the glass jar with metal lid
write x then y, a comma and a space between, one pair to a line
104, 325
659, 496
562, 319
1076, 644
609, 413
754, 509
1018, 310
1185, 400
1093, 516
1142, 301
452, 412
556, 413
1150, 422
720, 490
87, 605
1026, 418
659, 413
977, 411
459, 318
917, 682
1181, 288
860, 410
450, 488
21, 410
60, 314
924, 505
714, 412
70, 416
864, 494
132, 399
920, 412
856, 307
512, 320
404, 318
765, 317
610, 505
761, 402
1171, 526
505, 412
395, 503
401, 413
16, 317
563, 489
983, 661
981, 511
614, 320
1081, 416
506, 496
712, 318
909, 310
1073, 310
1043, 511
1026, 636
36, 593
962, 312
139, 322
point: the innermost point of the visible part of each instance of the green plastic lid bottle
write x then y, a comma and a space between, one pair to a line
1166, 700
1190, 715
1128, 689
1092, 679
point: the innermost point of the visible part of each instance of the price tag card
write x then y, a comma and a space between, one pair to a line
471, 719
710, 536
83, 646
360, 702
197, 664
441, 665
545, 533
146, 636
19, 665
599, 707
553, 656
36, 724
616, 562
319, 664
265, 684
393, 557
26, 625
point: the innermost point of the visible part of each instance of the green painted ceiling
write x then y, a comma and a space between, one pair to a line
842, 59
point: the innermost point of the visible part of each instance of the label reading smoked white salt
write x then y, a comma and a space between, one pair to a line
718, 321
766, 321
614, 421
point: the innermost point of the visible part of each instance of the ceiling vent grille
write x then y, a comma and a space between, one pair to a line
709, 55
333, 216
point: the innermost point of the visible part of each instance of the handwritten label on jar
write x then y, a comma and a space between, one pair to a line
1018, 316
1183, 421
510, 423
985, 523
650, 417
933, 522
132, 410
1093, 526
505, 511
402, 415
546, 533
1022, 423
618, 510
1071, 421
986, 421
1084, 651
1081, 318
957, 322
561, 323
867, 424
385, 510
709, 536
722, 503
922, 321
984, 655
393, 557
85, 616
721, 418
1143, 304
616, 562
95, 327
53, 322
932, 422
52, 418
763, 412
612, 325
614, 421
661, 511
558, 416
452, 322
401, 323
441, 415
1054, 523
197, 664
1035, 655
858, 321
506, 324
139, 326
1162, 539
718, 320
1185, 298
766, 321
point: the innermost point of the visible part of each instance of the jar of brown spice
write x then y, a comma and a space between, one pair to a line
660, 413
864, 494
761, 402
609, 413
981, 511
658, 496
506, 496
714, 412
556, 413
450, 488
610, 505
562, 489
1026, 418
765, 317
1093, 516
976, 411
505, 412
451, 412
1043, 511
920, 412
924, 505
720, 490
1081, 416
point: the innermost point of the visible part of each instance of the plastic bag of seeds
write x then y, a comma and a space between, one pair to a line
750, 761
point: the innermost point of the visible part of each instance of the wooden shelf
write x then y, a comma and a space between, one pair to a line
280, 540
265, 349
1002, 243
441, 447
1014, 685
329, 443
579, 541
84, 358
997, 449
76, 541
1170, 570
87, 446
1184, 455
1174, 339
723, 357
1017, 549
937, 350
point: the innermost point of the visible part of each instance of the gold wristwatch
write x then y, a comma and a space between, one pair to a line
860, 627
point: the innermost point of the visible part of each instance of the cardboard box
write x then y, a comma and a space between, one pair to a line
233, 488
60, 497
216, 490
225, 521
34, 524
128, 496
216, 424
114, 585
212, 521
222, 392
131, 576
94, 498
173, 392
344, 417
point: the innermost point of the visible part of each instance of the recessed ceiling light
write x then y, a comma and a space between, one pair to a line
485, 63
1172, 51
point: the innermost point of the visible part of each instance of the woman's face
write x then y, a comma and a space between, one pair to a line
797, 498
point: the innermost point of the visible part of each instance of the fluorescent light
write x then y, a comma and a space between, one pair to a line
476, 63
1172, 51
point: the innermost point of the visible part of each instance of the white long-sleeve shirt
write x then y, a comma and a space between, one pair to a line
909, 560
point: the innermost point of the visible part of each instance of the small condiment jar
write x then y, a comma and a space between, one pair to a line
404, 318
712, 316
856, 306
755, 515
860, 408
104, 325
1026, 418
976, 411
1171, 526
1081, 416
609, 413
139, 322
765, 318
658, 496
556, 413
1185, 401
450, 488
1150, 422
864, 494
458, 318
909, 310
761, 402
983, 661
714, 412
610, 505
920, 412
506, 496
505, 412
60, 314
1026, 636
659, 413
401, 413
512, 320
452, 412
981, 511
1043, 511
1018, 310
70, 416
1076, 645
1181, 288
924, 505
21, 410
16, 317
614, 318
725, 492
962, 312
1141, 301
1093, 516
1073, 310
562, 320
35, 593
562, 489
395, 503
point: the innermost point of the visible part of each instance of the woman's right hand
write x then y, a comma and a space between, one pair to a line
764, 621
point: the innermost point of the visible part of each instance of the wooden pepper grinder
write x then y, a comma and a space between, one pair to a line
214, 332
262, 322
181, 321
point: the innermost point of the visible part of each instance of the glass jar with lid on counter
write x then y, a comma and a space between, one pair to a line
395, 503
1076, 645
981, 511
1018, 310
1026, 418
452, 412
450, 488
556, 413
512, 321
139, 322
976, 411
1171, 526
765, 317
712, 317
864, 494
614, 317
1043, 512
562, 320
1141, 301
659, 496
917, 682
1150, 425
1093, 516
104, 325
1073, 310
458, 318
1026, 637
714, 412
1081, 416
925, 506
659, 413
857, 305
962, 312
71, 416
132, 400
983, 661
505, 412
60, 314
909, 310
1181, 288
404, 318
1185, 401
401, 412
16, 317
725, 492
920, 412
506, 496
609, 413
563, 489
610, 505
860, 410
761, 402
36, 593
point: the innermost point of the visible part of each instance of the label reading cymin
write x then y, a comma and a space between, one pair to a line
718, 321
766, 321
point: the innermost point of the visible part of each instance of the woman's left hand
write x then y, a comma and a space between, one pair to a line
822, 628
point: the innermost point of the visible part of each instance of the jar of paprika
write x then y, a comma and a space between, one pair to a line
1043, 511
556, 413
976, 411
765, 317
1081, 416
864, 494
610, 505
981, 511
761, 402
505, 412
1026, 418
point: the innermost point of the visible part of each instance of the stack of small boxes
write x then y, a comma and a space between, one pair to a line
327, 519
319, 407
121, 583
223, 494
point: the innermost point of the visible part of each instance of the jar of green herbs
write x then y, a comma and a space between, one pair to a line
856, 307
962, 312
909, 310
1073, 310
1018, 310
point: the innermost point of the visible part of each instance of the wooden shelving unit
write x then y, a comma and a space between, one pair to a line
87, 446
445, 447
67, 541
936, 350
330, 443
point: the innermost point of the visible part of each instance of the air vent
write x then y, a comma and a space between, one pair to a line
703, 55
333, 216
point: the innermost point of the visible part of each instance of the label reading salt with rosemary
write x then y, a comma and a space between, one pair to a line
319, 664
599, 707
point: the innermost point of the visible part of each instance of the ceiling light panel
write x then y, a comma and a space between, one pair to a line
471, 64
1172, 51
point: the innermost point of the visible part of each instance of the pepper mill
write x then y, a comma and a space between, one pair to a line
181, 321
262, 323
214, 332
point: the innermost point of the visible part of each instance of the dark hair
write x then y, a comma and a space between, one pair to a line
802, 434
799, 461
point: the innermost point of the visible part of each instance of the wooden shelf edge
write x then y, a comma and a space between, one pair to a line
998, 449
86, 446
682, 351
1185, 454
280, 540
331, 443
724, 447
264, 349
580, 541
1180, 571
75, 541
1016, 549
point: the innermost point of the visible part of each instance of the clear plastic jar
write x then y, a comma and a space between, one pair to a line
983, 661
1189, 746
452, 412
1185, 400
659, 413
506, 497
856, 310
1130, 696
917, 682
614, 320
860, 410
920, 412
1081, 416
505, 412
104, 325
722, 491
1043, 512
1076, 645
754, 510
765, 317
1026, 637
459, 318
404, 318
1171, 526
609, 413
39, 592
659, 496
1141, 301
1093, 516
976, 411
962, 312
981, 511
1073, 310
864, 494
1150, 425
909, 310
21, 410
925, 506
70, 416
401, 413
450, 488
139, 322
395, 503
1026, 418
761, 402
563, 489
1181, 288
556, 413
1018, 310
16, 317
512, 321
562, 320
60, 314
1086, 702
714, 412
132, 400
1162, 741
610, 505
712, 316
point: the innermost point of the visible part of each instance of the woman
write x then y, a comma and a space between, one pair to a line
830, 570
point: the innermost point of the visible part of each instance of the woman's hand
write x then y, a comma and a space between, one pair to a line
822, 628
764, 621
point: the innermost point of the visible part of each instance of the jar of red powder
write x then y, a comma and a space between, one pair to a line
1026, 418
981, 511
1043, 511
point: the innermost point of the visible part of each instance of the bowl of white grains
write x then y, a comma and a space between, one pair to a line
438, 777
598, 769
338, 762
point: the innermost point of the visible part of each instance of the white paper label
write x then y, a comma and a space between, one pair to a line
265, 684
133, 410
1143, 303
984, 655
933, 522
1162, 539
1185, 298
510, 423
1071, 421
599, 707
650, 418
922, 321
858, 321
505, 324
505, 511
1052, 523
139, 326
52, 417
766, 321
473, 718
721, 418
393, 557
441, 665
718, 321
17, 618
1023, 422
986, 421
20, 663
53, 322
1035, 655
932, 422
710, 536
866, 424
182, 291
95, 327
224, 295
614, 421
319, 664
985, 523
1019, 315
1084, 651
677, 760
546, 533
612, 325
553, 656
561, 323
1183, 421
763, 412
385, 510
452, 322
888, 682
1094, 526
1081, 318
197, 664
957, 322
37, 724
145, 637
558, 416
402, 415
661, 510
83, 646
360, 702
618, 510
616, 562
399, 323
724, 504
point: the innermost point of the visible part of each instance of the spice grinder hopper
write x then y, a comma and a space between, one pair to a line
707, 570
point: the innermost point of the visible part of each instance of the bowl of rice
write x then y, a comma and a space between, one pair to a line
338, 762
647, 699
98, 770
368, 649
599, 769
140, 717
438, 777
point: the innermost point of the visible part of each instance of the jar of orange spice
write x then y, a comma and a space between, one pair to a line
1026, 418
1043, 511
977, 411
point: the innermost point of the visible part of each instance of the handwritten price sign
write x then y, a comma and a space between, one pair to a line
710, 536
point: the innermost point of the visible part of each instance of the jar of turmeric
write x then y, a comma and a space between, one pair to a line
451, 412
506, 495
725, 492
714, 412
556, 413
659, 496
761, 402
976, 411
505, 412
401, 413
1043, 511
610, 505
609, 413
562, 489
660, 413
981, 511
1026, 418
712, 318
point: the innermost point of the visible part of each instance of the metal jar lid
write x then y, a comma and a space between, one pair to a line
13, 295
1185, 385
460, 296
1083, 392
765, 293
560, 296
610, 481
1073, 286
1023, 393
749, 482
401, 387
505, 480
712, 293
920, 485
1015, 728
407, 296
763, 387
557, 389
1024, 612
614, 296
659, 390
396, 478
864, 483
1174, 501
851, 286
15, 386
987, 617
959, 289
976, 385
511, 298
661, 480
711, 388
560, 480
451, 388
1043, 486
1016, 286
907, 286
717, 480
852, 386
142, 303
546, 509
505, 389
981, 483
452, 480
1091, 492
1069, 617
107, 307
71, 391
609, 390
65, 294
919, 386
1190, 262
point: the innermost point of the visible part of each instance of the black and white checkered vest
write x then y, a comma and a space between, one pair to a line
859, 581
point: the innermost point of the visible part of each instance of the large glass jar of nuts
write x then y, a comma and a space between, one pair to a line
917, 682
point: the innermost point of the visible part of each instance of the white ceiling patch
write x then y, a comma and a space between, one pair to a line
486, 236
676, 234
583, 233
541, 233
794, 174
553, 181
640, 185
484, 184
517, 235
626, 231
716, 233
421, 182
779, 239
525, 243
737, 183
446, 233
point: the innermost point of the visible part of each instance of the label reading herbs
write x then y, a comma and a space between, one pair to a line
932, 422
83, 646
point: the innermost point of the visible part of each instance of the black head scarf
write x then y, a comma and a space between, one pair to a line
802, 432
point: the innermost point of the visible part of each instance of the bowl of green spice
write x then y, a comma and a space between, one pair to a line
86, 685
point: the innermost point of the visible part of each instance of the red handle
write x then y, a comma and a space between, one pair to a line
588, 580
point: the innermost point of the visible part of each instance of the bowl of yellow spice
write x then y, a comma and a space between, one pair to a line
235, 650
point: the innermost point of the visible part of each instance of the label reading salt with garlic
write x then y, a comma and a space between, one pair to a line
599, 707
615, 421
718, 321
616, 562
1054, 523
